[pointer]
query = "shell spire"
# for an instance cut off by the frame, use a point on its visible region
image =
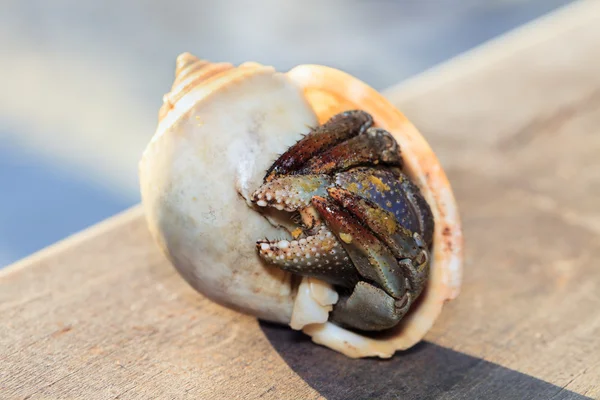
(185, 60)
(190, 72)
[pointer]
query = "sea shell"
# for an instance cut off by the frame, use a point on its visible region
(220, 128)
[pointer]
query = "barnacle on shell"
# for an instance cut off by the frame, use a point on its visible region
(220, 128)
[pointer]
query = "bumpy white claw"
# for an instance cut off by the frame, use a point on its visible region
(318, 256)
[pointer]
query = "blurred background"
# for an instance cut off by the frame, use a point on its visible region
(82, 81)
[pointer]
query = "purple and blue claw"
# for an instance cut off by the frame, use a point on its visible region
(393, 192)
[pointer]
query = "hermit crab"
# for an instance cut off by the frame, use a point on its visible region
(377, 227)
(302, 198)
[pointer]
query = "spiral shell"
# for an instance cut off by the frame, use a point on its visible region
(219, 129)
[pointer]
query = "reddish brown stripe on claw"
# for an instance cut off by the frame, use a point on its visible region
(372, 258)
(383, 223)
(339, 128)
(379, 220)
(374, 147)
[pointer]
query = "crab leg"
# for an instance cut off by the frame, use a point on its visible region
(423, 210)
(373, 260)
(408, 247)
(394, 193)
(339, 128)
(374, 147)
(291, 193)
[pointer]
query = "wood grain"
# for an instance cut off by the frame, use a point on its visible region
(520, 141)
(102, 315)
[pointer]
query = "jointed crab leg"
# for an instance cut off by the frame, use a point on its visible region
(395, 193)
(339, 128)
(368, 307)
(373, 260)
(405, 246)
(383, 223)
(374, 147)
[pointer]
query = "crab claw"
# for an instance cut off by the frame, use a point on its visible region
(372, 259)
(370, 308)
(291, 193)
(320, 256)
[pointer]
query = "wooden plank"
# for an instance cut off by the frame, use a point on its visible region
(103, 315)
(518, 135)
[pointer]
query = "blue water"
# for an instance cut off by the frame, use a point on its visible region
(41, 203)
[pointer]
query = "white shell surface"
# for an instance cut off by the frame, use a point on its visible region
(208, 154)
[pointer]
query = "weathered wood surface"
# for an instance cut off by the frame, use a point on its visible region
(102, 315)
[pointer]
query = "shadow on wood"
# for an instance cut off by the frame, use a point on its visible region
(427, 371)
